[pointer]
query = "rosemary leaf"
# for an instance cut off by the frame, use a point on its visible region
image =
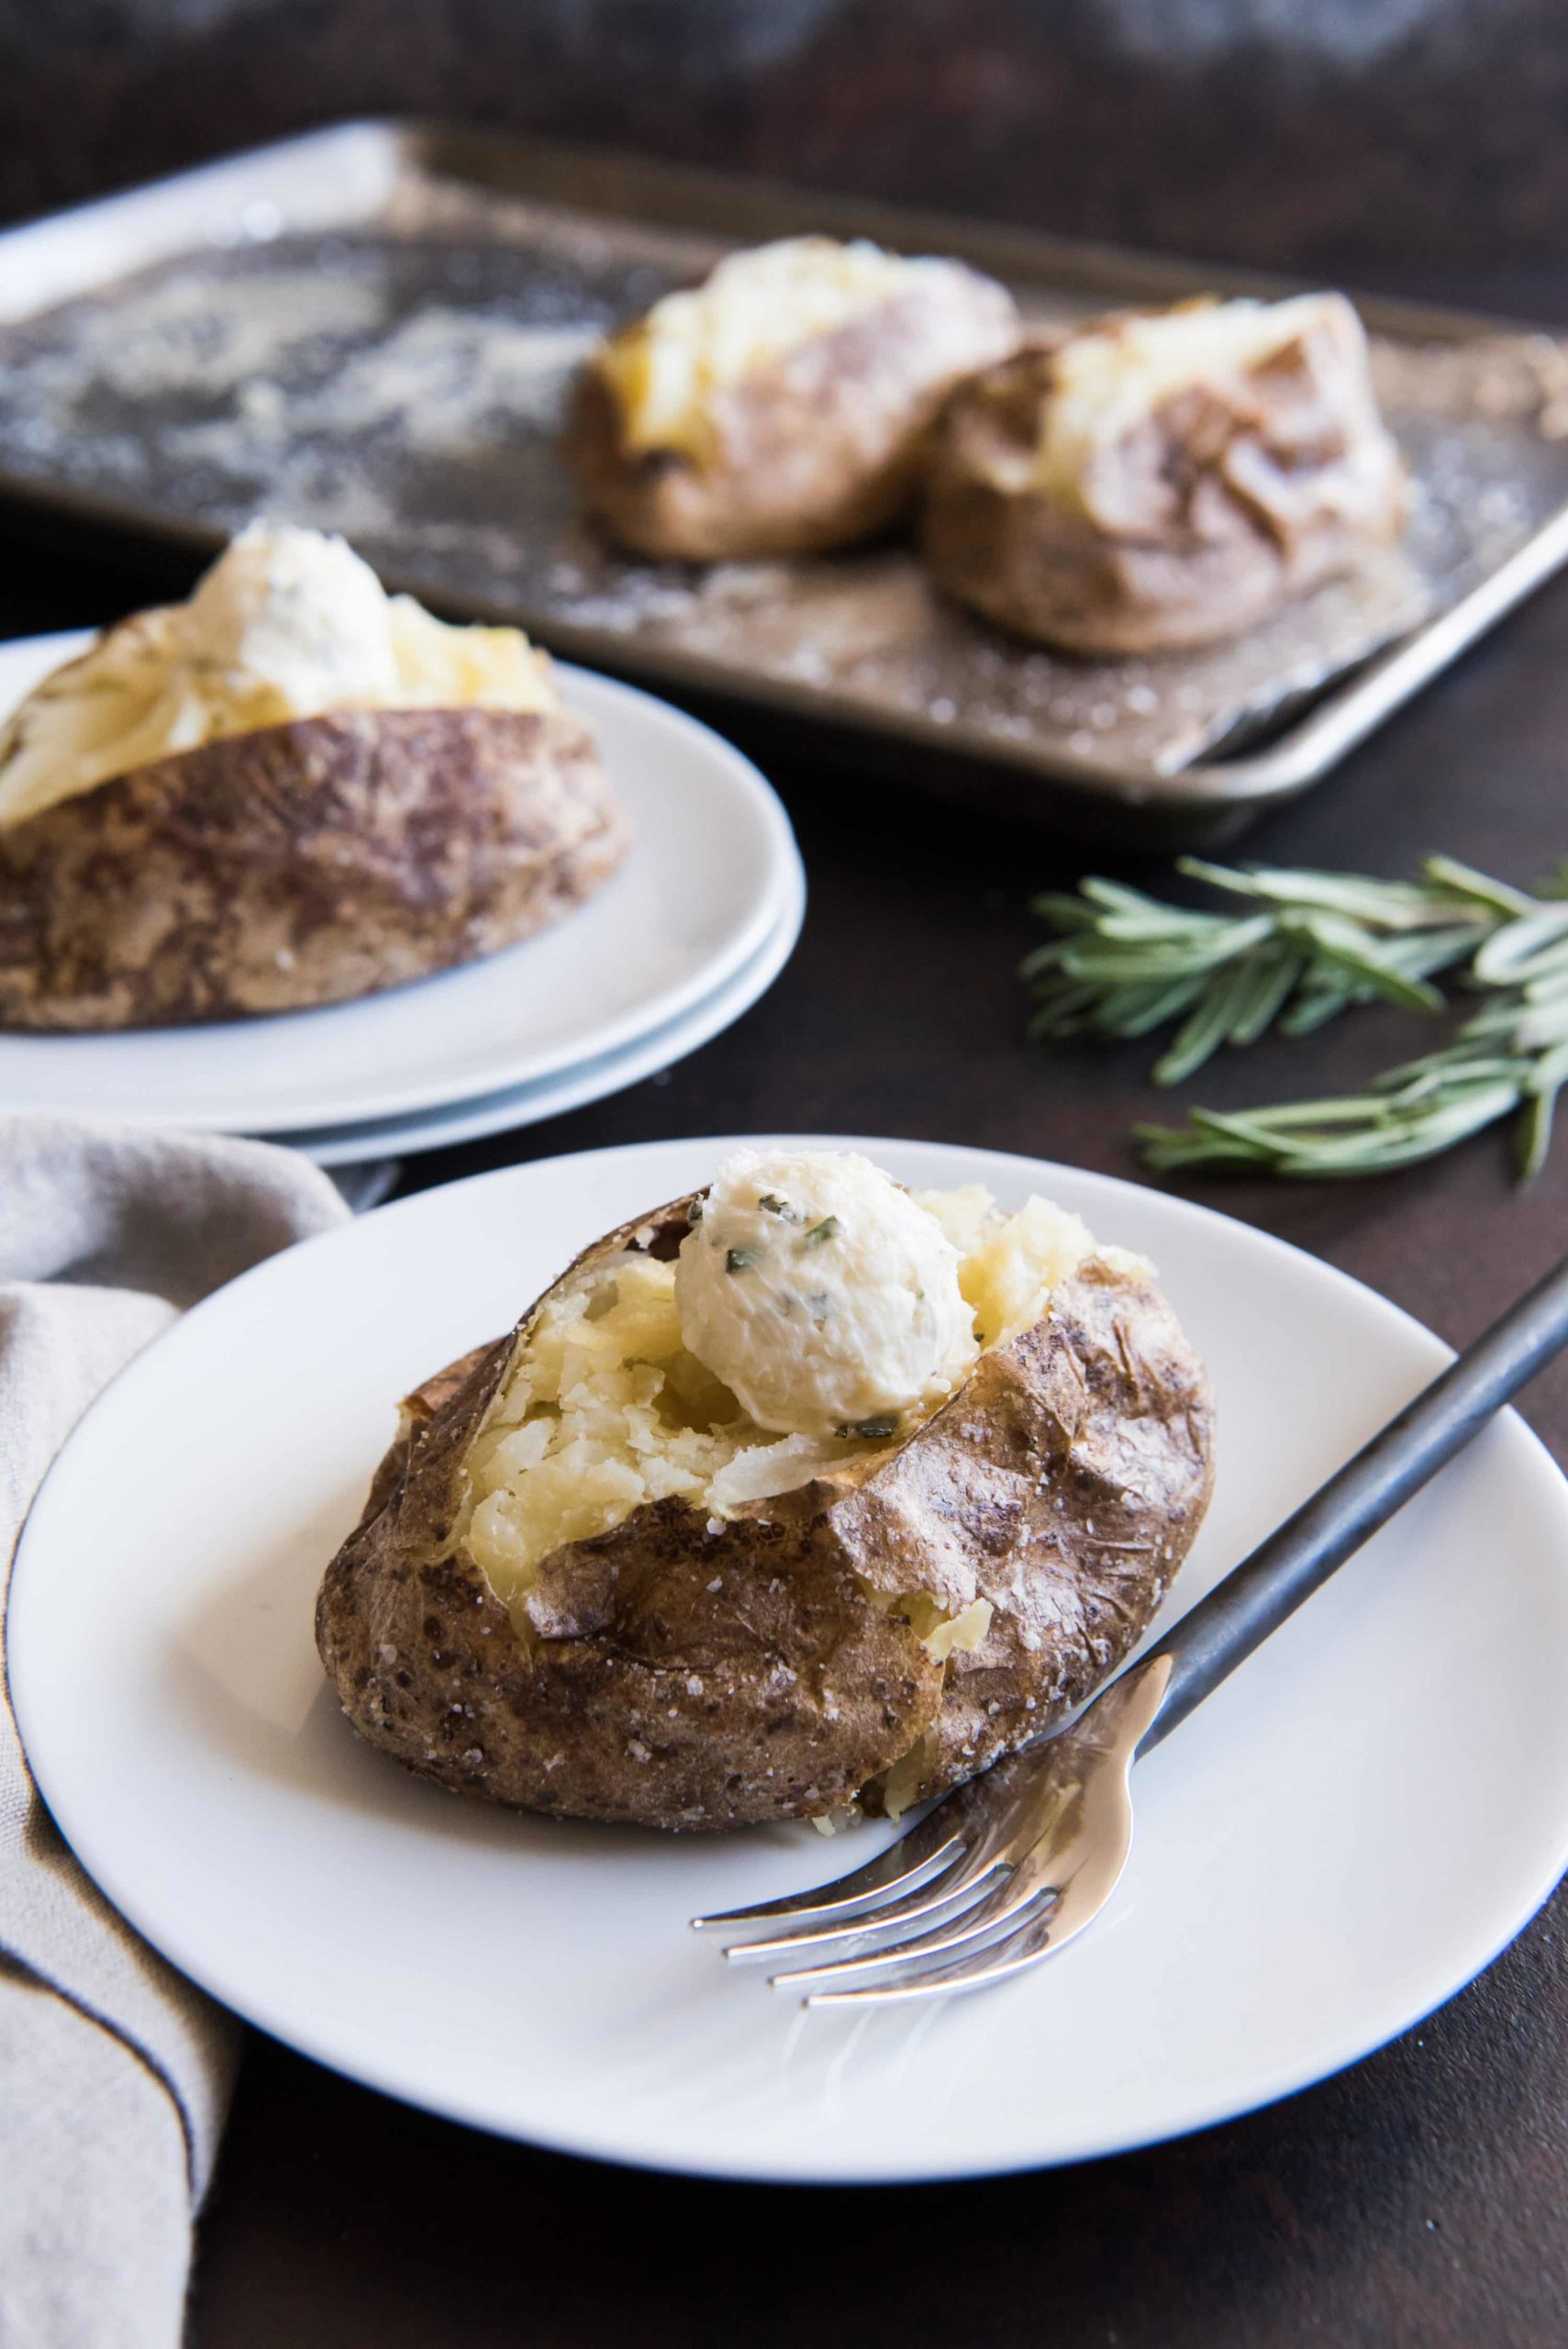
(1273, 986)
(1206, 1027)
(1448, 873)
(1345, 1109)
(1526, 952)
(1318, 1001)
(1371, 1134)
(1340, 945)
(1134, 1010)
(1381, 905)
(1312, 945)
(1534, 1137)
(1121, 964)
(1117, 897)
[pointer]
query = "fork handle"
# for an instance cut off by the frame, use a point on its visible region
(1256, 1598)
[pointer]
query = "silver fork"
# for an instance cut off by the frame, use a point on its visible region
(1006, 1870)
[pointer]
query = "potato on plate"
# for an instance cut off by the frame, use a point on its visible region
(804, 1492)
(1163, 478)
(778, 408)
(290, 790)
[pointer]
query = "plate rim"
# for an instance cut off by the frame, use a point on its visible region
(742, 775)
(773, 957)
(1437, 1984)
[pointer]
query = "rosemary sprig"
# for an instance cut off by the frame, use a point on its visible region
(1307, 947)
(1510, 1058)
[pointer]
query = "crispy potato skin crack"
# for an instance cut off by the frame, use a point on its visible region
(675, 1676)
(1214, 510)
(300, 865)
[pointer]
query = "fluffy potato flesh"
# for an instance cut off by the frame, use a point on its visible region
(666, 369)
(1110, 382)
(605, 1408)
(287, 624)
(585, 1582)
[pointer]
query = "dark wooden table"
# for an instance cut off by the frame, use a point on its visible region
(1418, 2197)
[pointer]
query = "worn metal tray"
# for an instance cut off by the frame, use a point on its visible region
(370, 327)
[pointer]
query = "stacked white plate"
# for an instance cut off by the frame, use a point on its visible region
(698, 921)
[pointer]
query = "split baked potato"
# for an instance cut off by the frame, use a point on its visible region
(291, 790)
(955, 1462)
(779, 409)
(1164, 478)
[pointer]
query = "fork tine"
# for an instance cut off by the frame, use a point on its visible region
(964, 1873)
(1025, 1947)
(935, 1840)
(1056, 1817)
(1002, 1905)
(1052, 1914)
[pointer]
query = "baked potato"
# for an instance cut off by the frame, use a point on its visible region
(289, 791)
(590, 1580)
(779, 409)
(1160, 478)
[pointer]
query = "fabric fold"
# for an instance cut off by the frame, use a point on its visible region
(115, 2071)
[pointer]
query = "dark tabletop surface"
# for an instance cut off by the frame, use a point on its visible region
(1419, 2196)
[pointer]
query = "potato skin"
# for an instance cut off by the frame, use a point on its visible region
(679, 1677)
(300, 865)
(1205, 519)
(817, 449)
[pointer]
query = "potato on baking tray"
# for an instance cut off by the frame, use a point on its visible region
(1163, 478)
(778, 408)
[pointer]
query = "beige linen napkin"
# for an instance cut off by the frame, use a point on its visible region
(113, 2071)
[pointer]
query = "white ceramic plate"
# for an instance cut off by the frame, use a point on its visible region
(1336, 1841)
(527, 1105)
(698, 894)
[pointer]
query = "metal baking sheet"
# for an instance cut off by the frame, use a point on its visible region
(371, 328)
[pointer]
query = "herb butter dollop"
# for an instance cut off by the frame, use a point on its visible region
(824, 1297)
